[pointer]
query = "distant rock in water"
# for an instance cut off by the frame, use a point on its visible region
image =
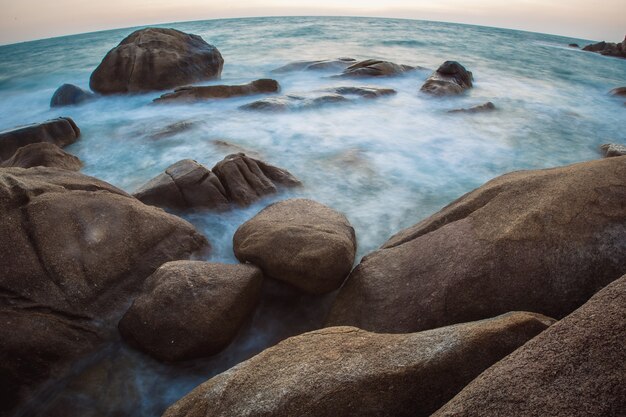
(481, 108)
(206, 305)
(346, 371)
(451, 78)
(238, 179)
(69, 95)
(62, 132)
(574, 45)
(220, 91)
(327, 64)
(608, 48)
(619, 91)
(613, 149)
(42, 154)
(375, 68)
(154, 59)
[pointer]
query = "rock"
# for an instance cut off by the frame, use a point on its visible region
(577, 367)
(206, 302)
(327, 64)
(69, 95)
(481, 108)
(156, 59)
(375, 68)
(613, 149)
(220, 91)
(62, 132)
(608, 48)
(301, 242)
(345, 371)
(619, 91)
(543, 241)
(42, 154)
(172, 129)
(451, 78)
(74, 252)
(365, 92)
(574, 45)
(230, 147)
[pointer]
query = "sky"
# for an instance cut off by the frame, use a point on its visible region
(22, 20)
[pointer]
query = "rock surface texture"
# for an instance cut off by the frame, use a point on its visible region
(156, 59)
(613, 149)
(451, 78)
(542, 241)
(69, 95)
(375, 68)
(326, 64)
(62, 132)
(42, 154)
(186, 94)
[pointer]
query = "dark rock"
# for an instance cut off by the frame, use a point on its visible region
(206, 305)
(69, 95)
(375, 68)
(74, 252)
(365, 92)
(301, 242)
(62, 132)
(608, 48)
(481, 108)
(156, 59)
(345, 371)
(543, 241)
(42, 154)
(577, 367)
(327, 64)
(450, 78)
(574, 45)
(619, 91)
(613, 149)
(220, 91)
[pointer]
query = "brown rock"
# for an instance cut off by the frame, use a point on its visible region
(608, 48)
(188, 94)
(375, 68)
(327, 64)
(156, 59)
(481, 108)
(301, 242)
(619, 91)
(613, 149)
(451, 78)
(345, 371)
(42, 154)
(543, 241)
(62, 132)
(206, 305)
(575, 368)
(70, 95)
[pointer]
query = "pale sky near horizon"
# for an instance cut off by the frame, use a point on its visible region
(35, 19)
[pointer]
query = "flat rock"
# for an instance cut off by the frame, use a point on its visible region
(154, 59)
(42, 154)
(325, 64)
(61, 131)
(577, 367)
(301, 242)
(542, 241)
(70, 95)
(375, 68)
(206, 305)
(187, 94)
(451, 78)
(345, 371)
(613, 149)
(481, 108)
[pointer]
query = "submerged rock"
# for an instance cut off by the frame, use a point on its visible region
(42, 154)
(301, 242)
(345, 371)
(365, 92)
(61, 131)
(481, 108)
(375, 68)
(156, 59)
(543, 241)
(577, 367)
(74, 252)
(69, 95)
(326, 64)
(608, 48)
(574, 45)
(613, 149)
(451, 78)
(220, 91)
(206, 305)
(619, 91)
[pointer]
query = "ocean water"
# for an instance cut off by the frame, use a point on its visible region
(385, 163)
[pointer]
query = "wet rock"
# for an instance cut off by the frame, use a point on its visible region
(619, 91)
(206, 302)
(481, 108)
(613, 149)
(543, 241)
(577, 367)
(375, 68)
(345, 371)
(187, 94)
(451, 78)
(326, 64)
(74, 252)
(172, 129)
(574, 45)
(608, 48)
(69, 95)
(365, 92)
(301, 242)
(42, 154)
(156, 59)
(61, 131)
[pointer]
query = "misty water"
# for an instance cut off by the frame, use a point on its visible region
(385, 163)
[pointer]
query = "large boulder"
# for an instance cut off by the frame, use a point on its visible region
(301, 242)
(345, 371)
(42, 154)
(187, 94)
(577, 367)
(61, 131)
(74, 252)
(69, 95)
(206, 305)
(608, 48)
(156, 59)
(451, 78)
(543, 241)
(325, 64)
(375, 68)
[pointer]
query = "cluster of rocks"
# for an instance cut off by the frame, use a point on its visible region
(608, 48)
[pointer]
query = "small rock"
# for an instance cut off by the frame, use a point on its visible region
(619, 91)
(451, 78)
(327, 64)
(187, 94)
(486, 107)
(61, 131)
(69, 95)
(375, 68)
(613, 149)
(574, 45)
(42, 154)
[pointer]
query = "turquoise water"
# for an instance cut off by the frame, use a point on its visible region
(385, 163)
